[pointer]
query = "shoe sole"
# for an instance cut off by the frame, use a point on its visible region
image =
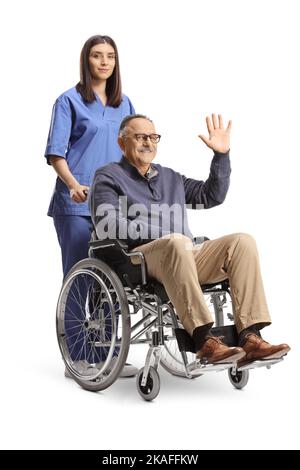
(127, 376)
(123, 374)
(228, 360)
(277, 355)
(83, 376)
(234, 358)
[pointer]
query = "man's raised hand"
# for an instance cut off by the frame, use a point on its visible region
(219, 138)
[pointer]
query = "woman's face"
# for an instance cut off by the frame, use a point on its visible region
(102, 61)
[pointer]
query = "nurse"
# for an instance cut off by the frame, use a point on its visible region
(83, 136)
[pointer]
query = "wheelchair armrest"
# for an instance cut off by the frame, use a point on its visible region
(115, 252)
(118, 244)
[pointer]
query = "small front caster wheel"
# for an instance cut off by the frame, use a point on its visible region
(240, 379)
(150, 390)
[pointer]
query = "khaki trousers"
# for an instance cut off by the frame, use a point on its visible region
(182, 267)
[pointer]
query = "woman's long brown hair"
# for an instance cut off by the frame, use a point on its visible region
(113, 84)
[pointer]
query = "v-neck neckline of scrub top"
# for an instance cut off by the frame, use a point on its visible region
(101, 103)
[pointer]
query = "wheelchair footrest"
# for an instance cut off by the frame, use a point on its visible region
(196, 367)
(262, 363)
(185, 342)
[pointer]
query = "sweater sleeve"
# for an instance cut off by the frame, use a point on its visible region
(211, 192)
(108, 209)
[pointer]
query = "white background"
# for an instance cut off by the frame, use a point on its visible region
(179, 62)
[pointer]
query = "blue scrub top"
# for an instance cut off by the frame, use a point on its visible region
(86, 135)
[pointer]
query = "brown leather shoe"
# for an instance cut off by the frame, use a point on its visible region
(215, 351)
(257, 348)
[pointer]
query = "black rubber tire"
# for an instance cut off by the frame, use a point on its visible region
(240, 379)
(152, 387)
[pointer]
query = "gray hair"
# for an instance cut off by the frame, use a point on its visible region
(129, 118)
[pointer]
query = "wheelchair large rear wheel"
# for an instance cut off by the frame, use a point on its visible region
(93, 324)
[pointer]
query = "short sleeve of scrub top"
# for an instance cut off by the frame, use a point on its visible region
(86, 135)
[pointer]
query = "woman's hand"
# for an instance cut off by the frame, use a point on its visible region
(219, 138)
(79, 193)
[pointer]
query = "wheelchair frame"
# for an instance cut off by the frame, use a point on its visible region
(124, 286)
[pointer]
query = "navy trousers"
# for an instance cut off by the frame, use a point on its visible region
(73, 233)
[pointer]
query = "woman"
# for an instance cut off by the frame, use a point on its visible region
(82, 137)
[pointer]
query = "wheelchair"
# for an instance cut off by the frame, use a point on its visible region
(107, 303)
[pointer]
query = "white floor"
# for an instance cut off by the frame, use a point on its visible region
(40, 409)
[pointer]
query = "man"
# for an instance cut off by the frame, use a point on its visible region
(145, 204)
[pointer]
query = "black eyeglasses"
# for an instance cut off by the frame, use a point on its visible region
(155, 138)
